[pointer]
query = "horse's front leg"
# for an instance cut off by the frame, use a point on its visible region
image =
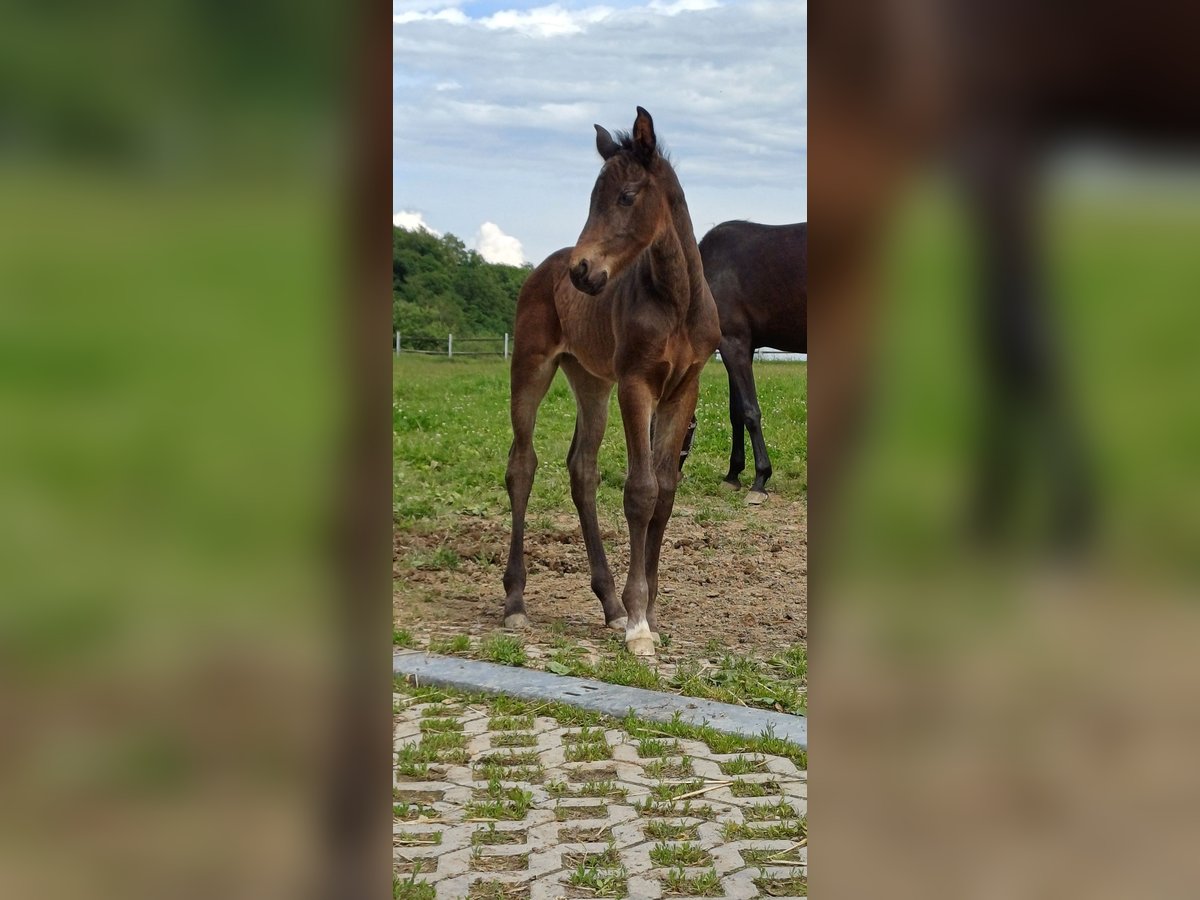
(674, 417)
(641, 496)
(531, 376)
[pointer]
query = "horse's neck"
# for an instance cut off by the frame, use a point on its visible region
(675, 265)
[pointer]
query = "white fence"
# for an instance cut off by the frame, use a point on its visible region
(450, 346)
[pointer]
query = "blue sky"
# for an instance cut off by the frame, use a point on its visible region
(493, 103)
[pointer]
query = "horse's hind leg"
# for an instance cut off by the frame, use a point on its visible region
(531, 377)
(591, 401)
(741, 373)
(737, 421)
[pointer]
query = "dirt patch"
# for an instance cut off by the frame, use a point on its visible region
(741, 582)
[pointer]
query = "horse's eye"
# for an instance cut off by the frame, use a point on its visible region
(626, 199)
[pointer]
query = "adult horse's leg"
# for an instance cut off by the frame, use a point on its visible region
(1026, 396)
(672, 425)
(737, 421)
(531, 376)
(591, 403)
(742, 375)
(687, 443)
(641, 496)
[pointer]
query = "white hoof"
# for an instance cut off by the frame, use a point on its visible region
(755, 498)
(641, 646)
(618, 624)
(516, 620)
(730, 486)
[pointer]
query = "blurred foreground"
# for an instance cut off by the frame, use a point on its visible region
(1004, 448)
(174, 399)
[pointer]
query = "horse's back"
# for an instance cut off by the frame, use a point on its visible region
(758, 275)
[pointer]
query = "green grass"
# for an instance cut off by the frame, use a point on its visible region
(460, 643)
(743, 765)
(684, 854)
(440, 725)
(669, 768)
(650, 735)
(514, 739)
(651, 747)
(607, 859)
(606, 788)
(780, 809)
(775, 684)
(673, 809)
(599, 882)
(510, 723)
(497, 890)
(742, 788)
(787, 830)
(668, 792)
(406, 811)
(411, 889)
(662, 830)
(771, 857)
(500, 803)
(491, 835)
(402, 638)
(678, 883)
(504, 649)
(792, 886)
(406, 838)
(433, 712)
(451, 435)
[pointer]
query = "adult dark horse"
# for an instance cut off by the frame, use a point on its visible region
(758, 275)
(627, 306)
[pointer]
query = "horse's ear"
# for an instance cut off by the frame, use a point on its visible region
(605, 143)
(644, 141)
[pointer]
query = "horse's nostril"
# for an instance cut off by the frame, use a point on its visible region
(581, 268)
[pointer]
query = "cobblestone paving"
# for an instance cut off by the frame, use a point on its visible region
(493, 806)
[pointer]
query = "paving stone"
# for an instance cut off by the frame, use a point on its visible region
(540, 844)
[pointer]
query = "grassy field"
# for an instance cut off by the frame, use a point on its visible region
(451, 440)
(452, 434)
(1123, 276)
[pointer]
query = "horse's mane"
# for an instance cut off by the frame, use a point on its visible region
(625, 141)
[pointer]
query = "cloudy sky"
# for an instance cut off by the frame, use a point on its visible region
(493, 103)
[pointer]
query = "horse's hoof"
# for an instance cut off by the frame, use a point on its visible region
(618, 624)
(656, 637)
(516, 620)
(731, 485)
(641, 646)
(756, 498)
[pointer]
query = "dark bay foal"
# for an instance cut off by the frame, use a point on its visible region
(628, 306)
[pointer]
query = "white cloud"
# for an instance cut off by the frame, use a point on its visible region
(681, 6)
(497, 247)
(547, 21)
(413, 221)
(726, 84)
(452, 16)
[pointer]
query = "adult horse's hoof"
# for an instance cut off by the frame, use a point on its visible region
(756, 498)
(731, 485)
(656, 637)
(516, 620)
(641, 646)
(617, 624)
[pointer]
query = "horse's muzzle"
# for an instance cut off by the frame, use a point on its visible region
(586, 279)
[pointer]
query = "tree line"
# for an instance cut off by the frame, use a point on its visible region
(440, 287)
